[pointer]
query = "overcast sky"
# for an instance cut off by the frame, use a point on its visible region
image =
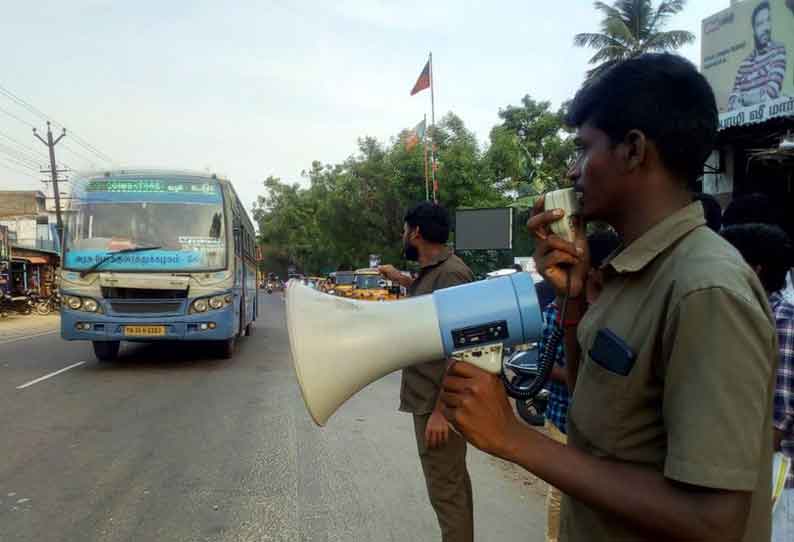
(257, 88)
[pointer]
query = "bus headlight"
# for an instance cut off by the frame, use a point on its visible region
(89, 305)
(227, 299)
(216, 302)
(74, 302)
(200, 305)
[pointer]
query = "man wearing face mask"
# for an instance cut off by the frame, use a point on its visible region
(441, 451)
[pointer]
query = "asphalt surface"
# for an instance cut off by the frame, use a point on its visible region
(169, 443)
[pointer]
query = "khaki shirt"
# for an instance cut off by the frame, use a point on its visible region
(696, 405)
(421, 383)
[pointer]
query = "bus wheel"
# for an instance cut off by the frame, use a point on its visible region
(249, 330)
(227, 348)
(106, 350)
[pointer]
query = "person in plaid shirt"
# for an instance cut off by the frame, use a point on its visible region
(601, 244)
(768, 250)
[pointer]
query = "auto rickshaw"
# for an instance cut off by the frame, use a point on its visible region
(369, 285)
(341, 283)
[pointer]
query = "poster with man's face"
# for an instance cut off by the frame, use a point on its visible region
(748, 57)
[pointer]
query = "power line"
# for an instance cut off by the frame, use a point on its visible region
(8, 151)
(33, 151)
(18, 171)
(26, 123)
(20, 153)
(80, 141)
(17, 163)
(77, 154)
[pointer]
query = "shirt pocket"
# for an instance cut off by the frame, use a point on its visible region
(597, 408)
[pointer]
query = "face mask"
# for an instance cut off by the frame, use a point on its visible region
(410, 252)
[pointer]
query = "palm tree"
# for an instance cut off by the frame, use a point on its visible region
(630, 28)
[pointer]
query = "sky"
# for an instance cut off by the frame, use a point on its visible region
(250, 89)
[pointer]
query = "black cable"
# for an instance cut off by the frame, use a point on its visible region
(546, 358)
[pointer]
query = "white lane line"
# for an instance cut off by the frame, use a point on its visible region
(29, 337)
(45, 377)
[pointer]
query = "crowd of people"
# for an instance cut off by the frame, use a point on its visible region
(673, 387)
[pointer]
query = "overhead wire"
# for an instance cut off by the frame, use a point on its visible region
(9, 151)
(20, 163)
(74, 136)
(35, 152)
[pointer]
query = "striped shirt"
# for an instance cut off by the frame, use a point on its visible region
(760, 71)
(559, 400)
(784, 386)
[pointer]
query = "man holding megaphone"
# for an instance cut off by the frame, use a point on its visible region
(441, 451)
(673, 364)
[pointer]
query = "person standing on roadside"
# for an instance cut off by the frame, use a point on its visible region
(601, 244)
(670, 423)
(442, 452)
(768, 250)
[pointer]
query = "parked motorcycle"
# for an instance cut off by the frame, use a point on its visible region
(49, 304)
(15, 303)
(524, 366)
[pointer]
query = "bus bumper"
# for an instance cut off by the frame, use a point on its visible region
(208, 326)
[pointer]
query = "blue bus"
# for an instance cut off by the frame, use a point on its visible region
(152, 255)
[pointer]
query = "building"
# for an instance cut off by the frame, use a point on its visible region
(30, 232)
(747, 55)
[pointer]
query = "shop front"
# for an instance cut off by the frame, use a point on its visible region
(748, 58)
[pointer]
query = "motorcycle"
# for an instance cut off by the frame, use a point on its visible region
(524, 365)
(49, 304)
(15, 303)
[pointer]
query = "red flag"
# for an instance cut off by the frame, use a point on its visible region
(424, 80)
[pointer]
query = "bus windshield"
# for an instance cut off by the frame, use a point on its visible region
(188, 232)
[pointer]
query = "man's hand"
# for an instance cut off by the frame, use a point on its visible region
(390, 272)
(555, 257)
(437, 430)
(475, 403)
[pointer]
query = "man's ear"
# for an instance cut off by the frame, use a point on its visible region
(634, 150)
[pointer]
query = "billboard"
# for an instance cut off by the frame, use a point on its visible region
(484, 229)
(747, 55)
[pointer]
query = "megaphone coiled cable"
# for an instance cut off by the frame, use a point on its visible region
(545, 358)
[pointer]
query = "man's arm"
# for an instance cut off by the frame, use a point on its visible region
(476, 404)
(390, 272)
(706, 404)
(776, 74)
(638, 495)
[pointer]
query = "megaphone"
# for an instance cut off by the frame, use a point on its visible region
(341, 345)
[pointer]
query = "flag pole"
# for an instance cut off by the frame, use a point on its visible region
(433, 124)
(424, 147)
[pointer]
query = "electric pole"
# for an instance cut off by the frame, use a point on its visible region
(54, 173)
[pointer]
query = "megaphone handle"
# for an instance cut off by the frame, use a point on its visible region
(488, 358)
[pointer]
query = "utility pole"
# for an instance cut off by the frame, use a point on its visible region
(54, 173)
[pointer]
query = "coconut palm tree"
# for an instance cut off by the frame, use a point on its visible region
(630, 28)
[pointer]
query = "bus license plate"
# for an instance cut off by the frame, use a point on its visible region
(144, 331)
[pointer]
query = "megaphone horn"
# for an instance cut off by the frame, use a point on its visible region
(341, 345)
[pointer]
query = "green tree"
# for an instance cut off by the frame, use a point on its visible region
(630, 28)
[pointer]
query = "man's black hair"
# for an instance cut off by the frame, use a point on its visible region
(760, 7)
(765, 245)
(432, 219)
(752, 208)
(663, 96)
(711, 210)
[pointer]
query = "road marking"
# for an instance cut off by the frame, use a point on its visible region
(9, 341)
(45, 377)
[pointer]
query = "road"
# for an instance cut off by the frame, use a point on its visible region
(170, 444)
